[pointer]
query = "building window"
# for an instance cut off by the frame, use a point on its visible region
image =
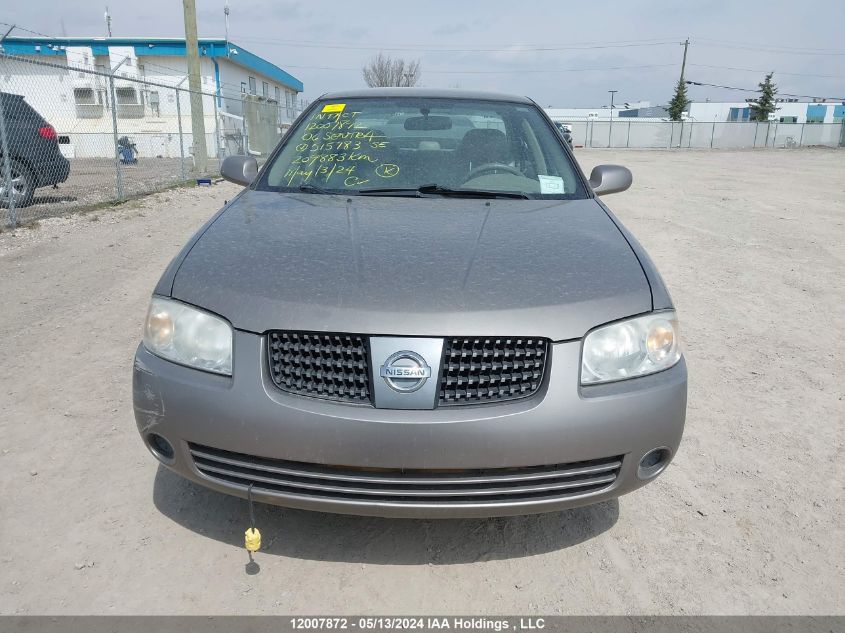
(265, 89)
(816, 113)
(155, 108)
(84, 96)
(87, 104)
(252, 85)
(243, 87)
(278, 95)
(125, 96)
(739, 114)
(129, 105)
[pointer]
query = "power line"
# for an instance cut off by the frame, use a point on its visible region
(771, 50)
(498, 72)
(779, 72)
(784, 94)
(789, 49)
(417, 48)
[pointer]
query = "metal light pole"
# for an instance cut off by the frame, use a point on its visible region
(610, 132)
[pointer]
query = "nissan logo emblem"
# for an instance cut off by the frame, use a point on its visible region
(405, 371)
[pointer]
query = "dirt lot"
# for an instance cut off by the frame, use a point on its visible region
(748, 519)
(93, 181)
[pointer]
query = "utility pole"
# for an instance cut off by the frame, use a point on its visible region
(195, 87)
(226, 14)
(108, 21)
(610, 131)
(683, 67)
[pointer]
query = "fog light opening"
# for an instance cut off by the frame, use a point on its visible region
(160, 447)
(653, 463)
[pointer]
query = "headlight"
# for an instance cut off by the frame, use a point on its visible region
(188, 336)
(631, 348)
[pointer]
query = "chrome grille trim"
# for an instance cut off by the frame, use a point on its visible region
(405, 486)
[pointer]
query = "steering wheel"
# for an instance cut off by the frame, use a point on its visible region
(489, 167)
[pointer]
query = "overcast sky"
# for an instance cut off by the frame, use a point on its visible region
(631, 46)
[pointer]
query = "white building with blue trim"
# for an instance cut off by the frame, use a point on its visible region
(65, 80)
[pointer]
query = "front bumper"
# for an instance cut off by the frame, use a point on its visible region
(53, 170)
(562, 425)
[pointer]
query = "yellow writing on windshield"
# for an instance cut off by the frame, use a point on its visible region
(335, 144)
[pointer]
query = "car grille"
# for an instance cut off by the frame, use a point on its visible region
(331, 366)
(477, 370)
(473, 370)
(403, 486)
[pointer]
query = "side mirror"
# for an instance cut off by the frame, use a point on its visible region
(606, 179)
(240, 170)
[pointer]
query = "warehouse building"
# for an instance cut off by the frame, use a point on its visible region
(65, 79)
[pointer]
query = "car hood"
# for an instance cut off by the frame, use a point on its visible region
(429, 266)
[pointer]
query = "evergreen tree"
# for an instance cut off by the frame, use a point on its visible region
(679, 102)
(765, 103)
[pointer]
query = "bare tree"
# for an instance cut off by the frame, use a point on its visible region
(383, 71)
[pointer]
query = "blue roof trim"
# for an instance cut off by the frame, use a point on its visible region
(30, 48)
(146, 46)
(249, 60)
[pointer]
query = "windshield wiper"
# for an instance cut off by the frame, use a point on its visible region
(388, 191)
(480, 193)
(307, 188)
(444, 191)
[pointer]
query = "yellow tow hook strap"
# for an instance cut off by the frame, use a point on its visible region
(252, 537)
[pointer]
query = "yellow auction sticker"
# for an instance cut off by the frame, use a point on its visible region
(334, 107)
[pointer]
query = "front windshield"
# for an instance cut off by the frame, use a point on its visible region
(396, 146)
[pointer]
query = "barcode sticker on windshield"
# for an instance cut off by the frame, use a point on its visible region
(334, 107)
(551, 184)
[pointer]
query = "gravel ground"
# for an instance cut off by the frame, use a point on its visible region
(92, 181)
(747, 519)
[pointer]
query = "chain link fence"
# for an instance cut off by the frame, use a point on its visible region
(74, 136)
(632, 133)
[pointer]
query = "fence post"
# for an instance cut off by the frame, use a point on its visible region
(756, 129)
(216, 133)
(118, 171)
(9, 188)
(628, 138)
(801, 140)
(712, 133)
(689, 142)
(181, 137)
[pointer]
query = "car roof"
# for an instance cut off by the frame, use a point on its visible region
(426, 93)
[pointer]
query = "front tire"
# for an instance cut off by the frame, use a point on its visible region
(23, 185)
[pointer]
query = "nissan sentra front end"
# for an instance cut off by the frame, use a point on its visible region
(490, 343)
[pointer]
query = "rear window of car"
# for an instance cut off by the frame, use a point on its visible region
(351, 145)
(16, 108)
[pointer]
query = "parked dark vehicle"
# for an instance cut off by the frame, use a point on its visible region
(565, 132)
(35, 159)
(418, 307)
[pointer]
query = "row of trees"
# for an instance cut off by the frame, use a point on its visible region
(761, 107)
(382, 71)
